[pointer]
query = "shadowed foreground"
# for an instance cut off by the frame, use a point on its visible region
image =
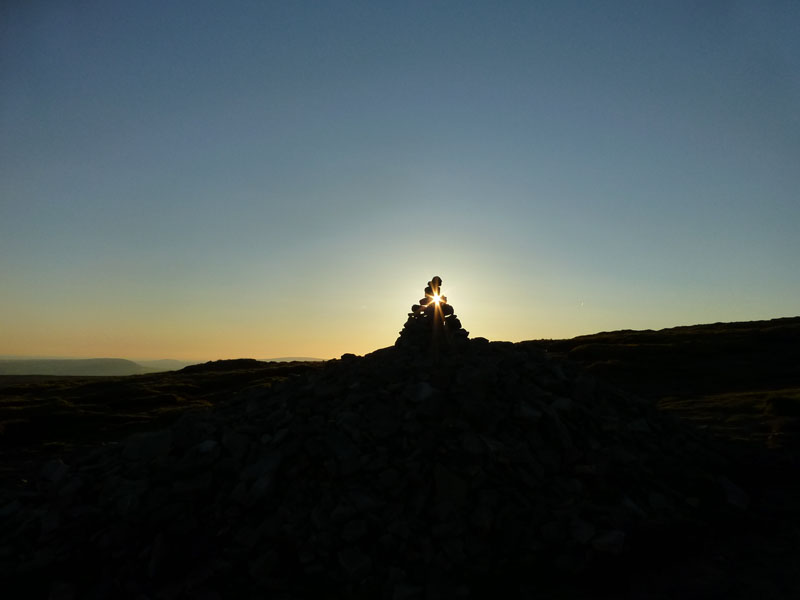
(496, 469)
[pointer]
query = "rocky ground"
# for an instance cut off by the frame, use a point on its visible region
(491, 469)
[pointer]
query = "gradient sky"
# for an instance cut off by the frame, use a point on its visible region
(203, 180)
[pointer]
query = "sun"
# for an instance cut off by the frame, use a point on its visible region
(436, 298)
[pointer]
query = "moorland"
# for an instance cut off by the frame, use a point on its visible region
(735, 385)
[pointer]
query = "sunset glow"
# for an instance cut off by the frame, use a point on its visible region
(216, 180)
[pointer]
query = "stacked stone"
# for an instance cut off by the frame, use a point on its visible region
(432, 320)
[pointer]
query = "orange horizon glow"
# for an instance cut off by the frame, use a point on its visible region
(262, 320)
(237, 196)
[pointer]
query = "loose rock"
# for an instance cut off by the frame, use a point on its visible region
(400, 474)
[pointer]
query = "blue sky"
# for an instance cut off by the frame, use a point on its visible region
(206, 180)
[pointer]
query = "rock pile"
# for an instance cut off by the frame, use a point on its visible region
(383, 476)
(432, 322)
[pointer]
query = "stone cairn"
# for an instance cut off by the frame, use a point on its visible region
(431, 321)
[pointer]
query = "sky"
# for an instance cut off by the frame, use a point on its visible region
(203, 180)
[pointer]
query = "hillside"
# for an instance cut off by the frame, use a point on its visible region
(45, 416)
(726, 357)
(551, 468)
(739, 380)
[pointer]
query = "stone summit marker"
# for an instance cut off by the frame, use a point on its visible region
(432, 321)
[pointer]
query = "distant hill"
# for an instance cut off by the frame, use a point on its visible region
(115, 367)
(73, 366)
(165, 364)
(292, 359)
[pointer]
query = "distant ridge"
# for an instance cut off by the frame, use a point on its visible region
(165, 364)
(112, 367)
(239, 364)
(73, 366)
(293, 359)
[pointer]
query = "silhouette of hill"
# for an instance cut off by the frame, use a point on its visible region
(729, 356)
(72, 366)
(165, 364)
(105, 367)
(293, 359)
(550, 468)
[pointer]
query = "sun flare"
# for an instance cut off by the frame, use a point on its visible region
(436, 299)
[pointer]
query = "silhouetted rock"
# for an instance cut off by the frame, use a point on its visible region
(432, 322)
(384, 476)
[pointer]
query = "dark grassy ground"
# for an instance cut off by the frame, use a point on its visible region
(46, 416)
(739, 382)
